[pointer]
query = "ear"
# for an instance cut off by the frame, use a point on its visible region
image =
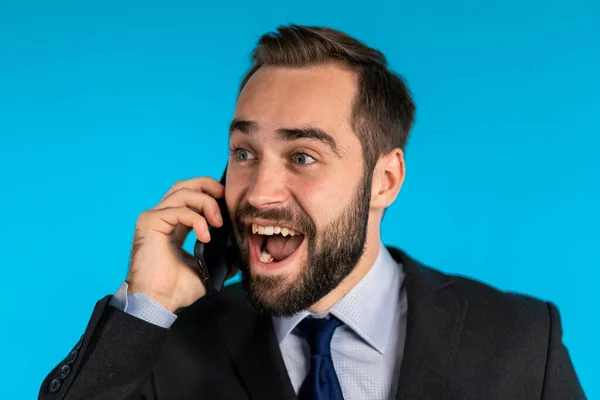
(388, 177)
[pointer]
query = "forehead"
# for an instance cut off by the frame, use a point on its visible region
(287, 97)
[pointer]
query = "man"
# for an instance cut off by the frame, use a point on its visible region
(324, 310)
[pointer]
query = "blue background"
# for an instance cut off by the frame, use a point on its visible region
(104, 105)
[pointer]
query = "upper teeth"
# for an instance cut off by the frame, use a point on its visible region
(272, 230)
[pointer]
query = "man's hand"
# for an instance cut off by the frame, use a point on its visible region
(159, 267)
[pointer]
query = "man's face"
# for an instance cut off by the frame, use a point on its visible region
(296, 187)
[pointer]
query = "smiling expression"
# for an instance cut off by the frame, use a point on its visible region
(296, 164)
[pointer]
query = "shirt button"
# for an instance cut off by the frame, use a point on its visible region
(65, 371)
(55, 385)
(72, 356)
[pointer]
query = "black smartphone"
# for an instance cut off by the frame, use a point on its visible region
(216, 258)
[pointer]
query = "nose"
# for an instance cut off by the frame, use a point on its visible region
(267, 189)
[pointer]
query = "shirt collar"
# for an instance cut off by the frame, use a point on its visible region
(368, 308)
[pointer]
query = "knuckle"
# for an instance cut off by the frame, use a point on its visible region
(142, 220)
(142, 216)
(186, 191)
(178, 185)
(189, 193)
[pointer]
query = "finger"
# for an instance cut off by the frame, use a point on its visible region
(180, 233)
(195, 200)
(166, 220)
(204, 184)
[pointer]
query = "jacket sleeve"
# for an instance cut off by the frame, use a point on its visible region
(113, 359)
(560, 380)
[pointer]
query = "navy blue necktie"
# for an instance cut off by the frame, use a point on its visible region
(321, 383)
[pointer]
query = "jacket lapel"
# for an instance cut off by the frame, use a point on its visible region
(434, 325)
(252, 344)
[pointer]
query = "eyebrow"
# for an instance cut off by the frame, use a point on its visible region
(247, 127)
(312, 133)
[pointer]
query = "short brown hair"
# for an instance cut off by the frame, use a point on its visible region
(383, 112)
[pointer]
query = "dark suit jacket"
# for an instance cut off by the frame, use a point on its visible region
(465, 340)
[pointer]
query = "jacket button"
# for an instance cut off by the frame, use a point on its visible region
(79, 343)
(65, 371)
(72, 356)
(55, 385)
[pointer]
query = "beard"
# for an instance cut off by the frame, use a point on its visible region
(332, 255)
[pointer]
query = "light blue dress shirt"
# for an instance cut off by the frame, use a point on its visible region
(366, 350)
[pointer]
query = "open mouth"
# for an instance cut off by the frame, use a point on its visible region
(272, 246)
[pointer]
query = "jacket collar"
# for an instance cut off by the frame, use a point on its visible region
(435, 319)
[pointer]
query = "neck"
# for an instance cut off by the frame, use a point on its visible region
(364, 265)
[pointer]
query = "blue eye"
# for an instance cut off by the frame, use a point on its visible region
(241, 154)
(303, 159)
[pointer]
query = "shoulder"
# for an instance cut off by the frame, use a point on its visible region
(486, 297)
(518, 318)
(485, 302)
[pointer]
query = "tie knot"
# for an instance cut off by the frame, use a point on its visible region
(318, 333)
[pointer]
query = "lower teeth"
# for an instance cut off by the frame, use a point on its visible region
(265, 257)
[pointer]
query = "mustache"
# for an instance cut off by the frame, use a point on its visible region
(301, 221)
(249, 211)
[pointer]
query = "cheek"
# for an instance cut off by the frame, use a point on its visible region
(233, 196)
(324, 200)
